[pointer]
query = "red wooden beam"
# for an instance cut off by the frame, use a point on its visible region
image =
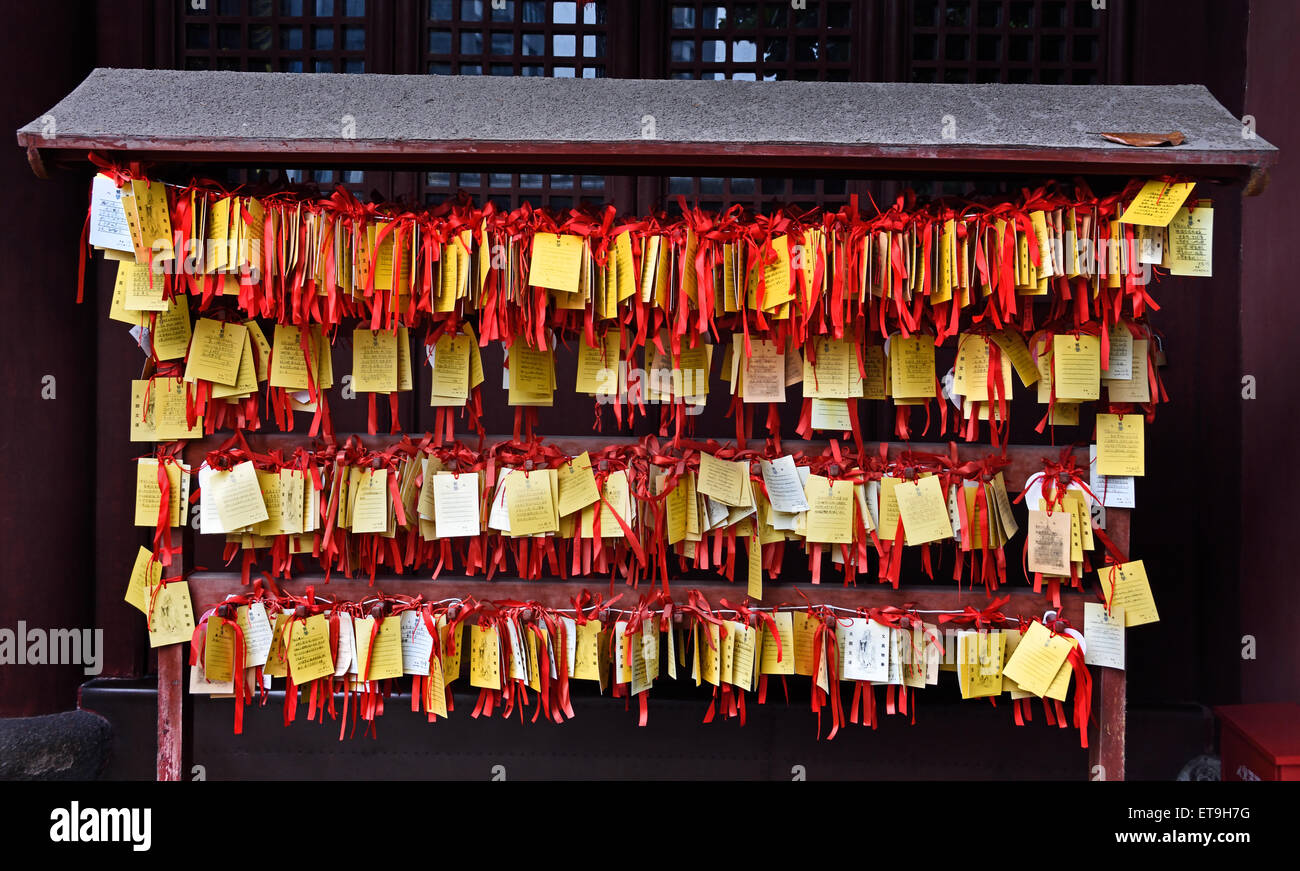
(209, 589)
(1025, 460)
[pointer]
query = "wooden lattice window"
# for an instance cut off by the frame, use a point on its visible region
(509, 190)
(516, 38)
(292, 36)
(760, 41)
(757, 194)
(1054, 42)
(289, 36)
(566, 39)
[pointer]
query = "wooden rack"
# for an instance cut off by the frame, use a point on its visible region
(862, 129)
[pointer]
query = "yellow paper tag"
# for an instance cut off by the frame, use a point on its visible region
(722, 480)
(171, 330)
(1137, 389)
(1191, 241)
(830, 510)
(289, 363)
(598, 367)
(532, 375)
(261, 350)
(912, 366)
(1048, 542)
(1120, 444)
(1126, 586)
(148, 494)
(1037, 658)
(485, 658)
(370, 505)
(769, 664)
(310, 656)
(374, 361)
(246, 379)
(754, 587)
(1076, 367)
(451, 365)
(237, 496)
(1157, 203)
(556, 262)
(530, 503)
(144, 574)
(979, 663)
(218, 650)
(577, 485)
(171, 620)
(215, 351)
(924, 510)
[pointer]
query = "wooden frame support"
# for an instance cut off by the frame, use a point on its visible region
(171, 694)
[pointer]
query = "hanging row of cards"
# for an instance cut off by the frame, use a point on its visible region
(329, 648)
(304, 259)
(631, 508)
(213, 375)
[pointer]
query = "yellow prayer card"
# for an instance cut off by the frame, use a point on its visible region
(1037, 659)
(556, 261)
(1157, 203)
(291, 368)
(148, 493)
(310, 654)
(374, 361)
(577, 485)
(215, 351)
(171, 330)
(1120, 444)
(1076, 367)
(924, 510)
(830, 510)
(912, 366)
(1126, 586)
(171, 614)
(144, 574)
(532, 375)
(530, 503)
(722, 480)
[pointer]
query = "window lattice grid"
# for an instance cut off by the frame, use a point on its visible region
(509, 190)
(321, 36)
(1016, 41)
(565, 39)
(290, 36)
(760, 40)
(762, 194)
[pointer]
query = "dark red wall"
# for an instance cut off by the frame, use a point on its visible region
(1270, 608)
(47, 472)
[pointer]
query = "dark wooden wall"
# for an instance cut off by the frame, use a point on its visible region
(1270, 609)
(1194, 556)
(47, 480)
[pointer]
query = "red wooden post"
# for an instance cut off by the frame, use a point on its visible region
(1106, 739)
(1106, 732)
(171, 691)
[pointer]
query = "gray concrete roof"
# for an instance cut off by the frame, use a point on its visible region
(268, 113)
